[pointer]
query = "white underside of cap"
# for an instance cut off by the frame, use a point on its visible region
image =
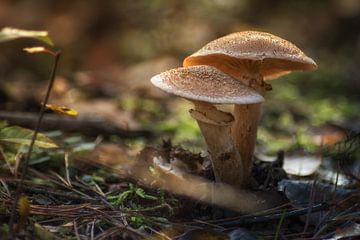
(158, 82)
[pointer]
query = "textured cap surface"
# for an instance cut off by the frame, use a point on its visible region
(278, 56)
(205, 83)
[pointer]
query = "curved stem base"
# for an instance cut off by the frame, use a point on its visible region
(215, 126)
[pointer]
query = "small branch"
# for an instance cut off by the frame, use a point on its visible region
(28, 155)
(85, 125)
(65, 195)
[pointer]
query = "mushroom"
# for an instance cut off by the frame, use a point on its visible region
(205, 86)
(251, 57)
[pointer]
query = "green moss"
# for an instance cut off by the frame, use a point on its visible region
(181, 125)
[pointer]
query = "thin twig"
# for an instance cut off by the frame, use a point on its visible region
(275, 210)
(311, 204)
(65, 195)
(6, 188)
(87, 125)
(209, 224)
(67, 174)
(92, 229)
(270, 217)
(76, 230)
(53, 179)
(161, 235)
(28, 155)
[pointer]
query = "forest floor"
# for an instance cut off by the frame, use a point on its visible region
(133, 164)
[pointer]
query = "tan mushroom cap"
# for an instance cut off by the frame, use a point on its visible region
(207, 84)
(277, 56)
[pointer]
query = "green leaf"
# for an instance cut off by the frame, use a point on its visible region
(43, 233)
(123, 196)
(3, 124)
(7, 34)
(150, 197)
(39, 160)
(19, 135)
(138, 221)
(140, 192)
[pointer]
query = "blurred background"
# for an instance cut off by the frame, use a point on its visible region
(112, 48)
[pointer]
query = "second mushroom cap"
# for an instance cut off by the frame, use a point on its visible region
(276, 56)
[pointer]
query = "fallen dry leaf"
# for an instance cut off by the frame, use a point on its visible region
(301, 165)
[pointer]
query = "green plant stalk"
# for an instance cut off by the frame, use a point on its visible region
(277, 234)
(28, 155)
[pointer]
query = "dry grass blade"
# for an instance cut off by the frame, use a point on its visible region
(120, 229)
(67, 174)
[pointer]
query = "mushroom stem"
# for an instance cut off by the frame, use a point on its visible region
(247, 116)
(215, 126)
(244, 132)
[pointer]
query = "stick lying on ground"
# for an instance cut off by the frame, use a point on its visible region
(88, 126)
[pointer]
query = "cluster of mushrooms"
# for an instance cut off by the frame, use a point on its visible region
(232, 70)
